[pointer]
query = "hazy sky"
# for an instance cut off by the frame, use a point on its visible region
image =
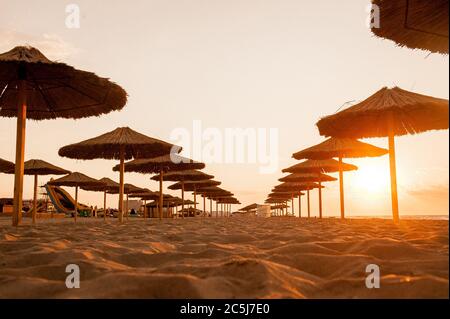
(234, 64)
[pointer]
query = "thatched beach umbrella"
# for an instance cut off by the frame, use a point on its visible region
(120, 144)
(298, 187)
(36, 88)
(317, 167)
(388, 113)
(37, 167)
(182, 177)
(76, 180)
(193, 185)
(6, 166)
(340, 148)
(214, 193)
(108, 186)
(161, 165)
(289, 195)
(414, 24)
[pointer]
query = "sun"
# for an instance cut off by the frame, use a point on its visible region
(372, 178)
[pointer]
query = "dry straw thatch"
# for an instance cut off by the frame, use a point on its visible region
(186, 175)
(191, 186)
(340, 147)
(183, 176)
(76, 179)
(290, 186)
(319, 166)
(161, 164)
(121, 144)
(307, 177)
(40, 167)
(110, 145)
(6, 166)
(108, 185)
(387, 111)
(36, 88)
(54, 89)
(165, 163)
(416, 24)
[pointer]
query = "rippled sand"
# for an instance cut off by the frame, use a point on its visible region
(224, 258)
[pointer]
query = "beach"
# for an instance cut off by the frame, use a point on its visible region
(238, 257)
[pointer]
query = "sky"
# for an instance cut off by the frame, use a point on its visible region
(253, 64)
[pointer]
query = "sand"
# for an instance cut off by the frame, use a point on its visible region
(225, 258)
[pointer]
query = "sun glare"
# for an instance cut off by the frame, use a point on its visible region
(372, 178)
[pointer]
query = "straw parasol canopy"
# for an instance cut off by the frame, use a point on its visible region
(121, 144)
(108, 186)
(165, 163)
(192, 186)
(388, 113)
(340, 148)
(298, 187)
(249, 207)
(161, 165)
(37, 167)
(6, 166)
(36, 88)
(214, 193)
(182, 176)
(317, 167)
(414, 24)
(76, 180)
(307, 177)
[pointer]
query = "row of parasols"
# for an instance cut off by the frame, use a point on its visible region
(34, 87)
(388, 113)
(160, 158)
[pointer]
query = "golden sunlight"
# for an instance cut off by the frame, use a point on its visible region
(372, 177)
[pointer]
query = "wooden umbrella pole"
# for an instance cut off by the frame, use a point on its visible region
(308, 202)
(126, 208)
(204, 206)
(35, 199)
(121, 186)
(167, 209)
(20, 151)
(195, 200)
(145, 209)
(160, 206)
(299, 205)
(210, 206)
(320, 198)
(182, 199)
(392, 166)
(217, 209)
(341, 187)
(104, 205)
(76, 202)
(292, 203)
